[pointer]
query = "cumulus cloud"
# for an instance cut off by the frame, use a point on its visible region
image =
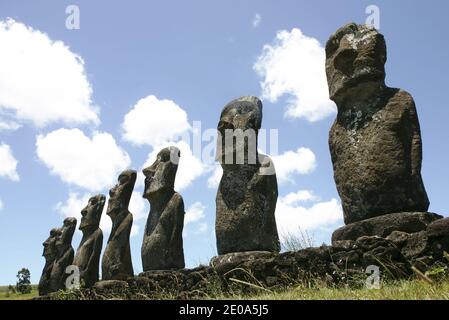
(76, 202)
(256, 20)
(42, 81)
(153, 122)
(194, 219)
(214, 180)
(189, 168)
(90, 163)
(8, 166)
(301, 161)
(294, 66)
(194, 213)
(9, 125)
(293, 216)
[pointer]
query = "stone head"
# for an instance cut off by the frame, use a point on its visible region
(120, 194)
(49, 244)
(65, 235)
(160, 176)
(91, 214)
(242, 115)
(355, 60)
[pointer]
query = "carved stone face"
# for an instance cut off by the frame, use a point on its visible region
(64, 237)
(120, 194)
(49, 245)
(91, 214)
(355, 57)
(245, 114)
(161, 174)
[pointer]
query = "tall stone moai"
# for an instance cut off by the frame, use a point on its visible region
(375, 141)
(64, 255)
(247, 194)
(49, 254)
(116, 263)
(162, 246)
(87, 257)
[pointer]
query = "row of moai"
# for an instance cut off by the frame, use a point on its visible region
(376, 152)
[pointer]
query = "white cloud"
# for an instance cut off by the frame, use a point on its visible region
(256, 20)
(76, 202)
(189, 168)
(8, 166)
(1, 204)
(214, 180)
(42, 81)
(292, 217)
(294, 65)
(153, 122)
(297, 197)
(194, 213)
(194, 220)
(91, 163)
(301, 161)
(9, 125)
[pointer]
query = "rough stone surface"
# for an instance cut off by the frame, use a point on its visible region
(162, 246)
(248, 272)
(384, 225)
(375, 141)
(438, 234)
(64, 255)
(247, 194)
(116, 262)
(87, 256)
(49, 254)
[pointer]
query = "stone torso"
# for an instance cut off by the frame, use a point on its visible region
(376, 153)
(58, 275)
(163, 245)
(87, 257)
(246, 201)
(117, 263)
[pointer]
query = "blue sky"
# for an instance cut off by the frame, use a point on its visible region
(67, 128)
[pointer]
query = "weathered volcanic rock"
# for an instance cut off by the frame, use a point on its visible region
(247, 194)
(375, 142)
(64, 257)
(116, 263)
(438, 234)
(49, 254)
(87, 256)
(162, 246)
(383, 226)
(229, 261)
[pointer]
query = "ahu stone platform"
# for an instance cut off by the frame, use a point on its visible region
(398, 256)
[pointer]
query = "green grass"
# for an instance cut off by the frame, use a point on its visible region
(397, 290)
(4, 295)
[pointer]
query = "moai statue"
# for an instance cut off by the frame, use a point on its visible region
(116, 263)
(50, 255)
(375, 142)
(247, 194)
(64, 255)
(162, 242)
(87, 257)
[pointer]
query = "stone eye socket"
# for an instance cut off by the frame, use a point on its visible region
(344, 60)
(224, 125)
(123, 179)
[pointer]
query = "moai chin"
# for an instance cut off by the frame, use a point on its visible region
(49, 254)
(116, 263)
(247, 194)
(64, 255)
(162, 246)
(87, 256)
(375, 141)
